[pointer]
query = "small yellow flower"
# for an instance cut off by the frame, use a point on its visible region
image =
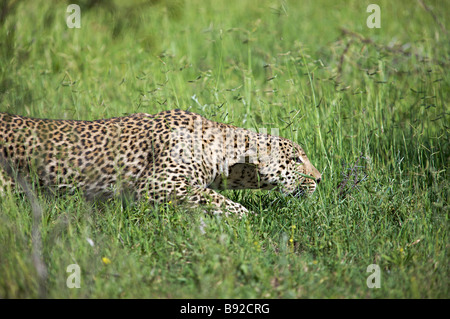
(291, 240)
(106, 260)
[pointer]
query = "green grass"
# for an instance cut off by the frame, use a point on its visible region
(369, 106)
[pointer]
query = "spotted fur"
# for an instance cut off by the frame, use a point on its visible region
(173, 156)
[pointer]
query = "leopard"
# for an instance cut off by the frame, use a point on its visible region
(173, 156)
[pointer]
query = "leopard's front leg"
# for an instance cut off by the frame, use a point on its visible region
(180, 191)
(217, 202)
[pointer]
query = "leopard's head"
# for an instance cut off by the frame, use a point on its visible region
(287, 167)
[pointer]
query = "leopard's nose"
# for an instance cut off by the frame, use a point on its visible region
(318, 180)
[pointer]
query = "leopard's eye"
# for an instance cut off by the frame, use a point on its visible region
(298, 160)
